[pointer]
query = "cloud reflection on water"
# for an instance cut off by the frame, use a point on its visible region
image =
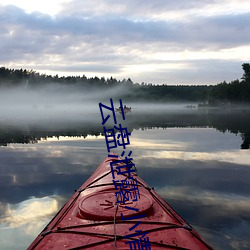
(29, 210)
(22, 222)
(235, 156)
(204, 178)
(226, 216)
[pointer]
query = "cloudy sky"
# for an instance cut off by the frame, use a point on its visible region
(157, 41)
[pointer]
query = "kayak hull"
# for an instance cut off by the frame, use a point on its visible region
(92, 219)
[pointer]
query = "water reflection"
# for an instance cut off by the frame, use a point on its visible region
(195, 166)
(233, 121)
(29, 210)
(20, 222)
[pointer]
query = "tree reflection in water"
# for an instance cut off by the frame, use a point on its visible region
(233, 121)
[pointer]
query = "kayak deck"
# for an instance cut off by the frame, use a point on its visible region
(92, 219)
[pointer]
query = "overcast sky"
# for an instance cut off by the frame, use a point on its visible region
(154, 41)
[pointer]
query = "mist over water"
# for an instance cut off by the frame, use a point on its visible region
(191, 156)
(55, 102)
(59, 108)
(61, 102)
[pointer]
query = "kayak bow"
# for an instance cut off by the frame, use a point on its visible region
(93, 219)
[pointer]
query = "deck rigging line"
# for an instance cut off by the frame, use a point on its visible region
(115, 222)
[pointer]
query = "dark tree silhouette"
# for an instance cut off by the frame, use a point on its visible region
(223, 93)
(246, 69)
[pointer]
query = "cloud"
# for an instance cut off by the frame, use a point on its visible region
(149, 9)
(91, 37)
(115, 30)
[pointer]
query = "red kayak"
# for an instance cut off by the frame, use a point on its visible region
(102, 215)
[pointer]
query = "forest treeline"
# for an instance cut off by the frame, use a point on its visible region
(236, 91)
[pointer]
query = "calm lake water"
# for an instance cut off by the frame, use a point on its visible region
(197, 160)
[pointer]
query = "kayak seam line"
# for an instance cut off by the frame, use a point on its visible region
(119, 237)
(118, 222)
(115, 243)
(55, 229)
(148, 230)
